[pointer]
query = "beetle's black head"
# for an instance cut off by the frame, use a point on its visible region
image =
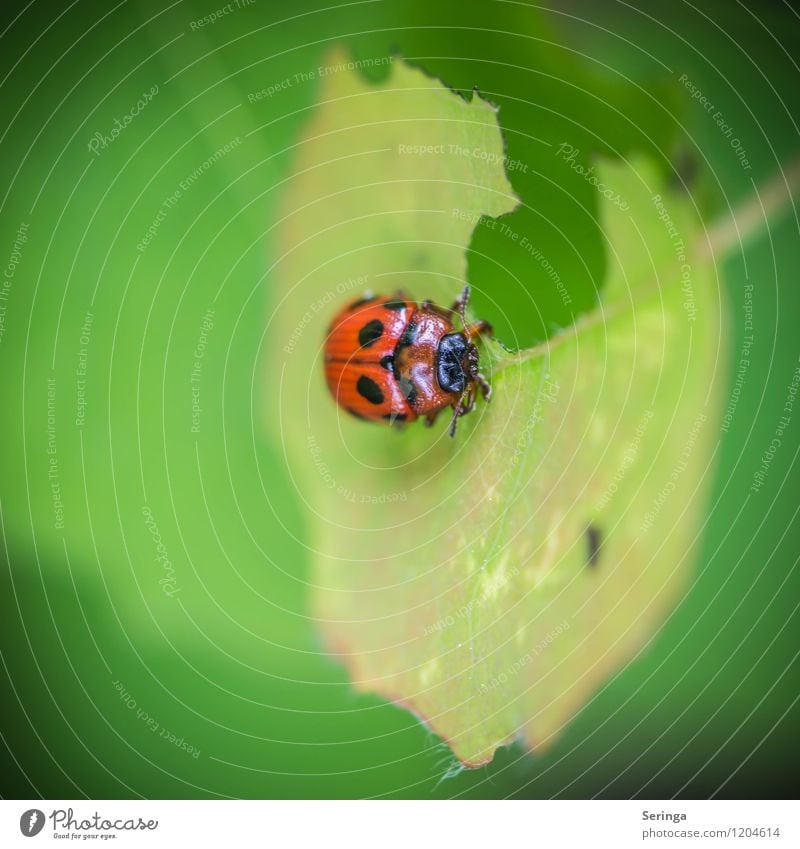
(456, 362)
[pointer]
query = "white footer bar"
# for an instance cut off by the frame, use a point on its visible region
(400, 825)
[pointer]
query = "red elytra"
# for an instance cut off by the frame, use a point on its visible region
(392, 359)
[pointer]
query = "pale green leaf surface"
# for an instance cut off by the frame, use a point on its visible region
(454, 576)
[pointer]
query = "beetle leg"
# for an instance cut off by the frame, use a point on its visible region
(431, 418)
(469, 406)
(478, 328)
(485, 386)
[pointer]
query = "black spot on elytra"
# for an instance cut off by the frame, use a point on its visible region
(387, 362)
(361, 301)
(371, 331)
(395, 305)
(409, 335)
(593, 539)
(367, 388)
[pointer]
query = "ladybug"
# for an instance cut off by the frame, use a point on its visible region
(392, 359)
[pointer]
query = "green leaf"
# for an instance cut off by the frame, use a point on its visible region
(494, 582)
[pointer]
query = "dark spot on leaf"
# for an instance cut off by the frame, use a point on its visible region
(593, 540)
(371, 331)
(367, 388)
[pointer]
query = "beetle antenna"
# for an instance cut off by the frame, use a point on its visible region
(460, 305)
(461, 408)
(454, 419)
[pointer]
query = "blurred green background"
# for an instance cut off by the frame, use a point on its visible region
(134, 389)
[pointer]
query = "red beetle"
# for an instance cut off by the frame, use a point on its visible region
(391, 359)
